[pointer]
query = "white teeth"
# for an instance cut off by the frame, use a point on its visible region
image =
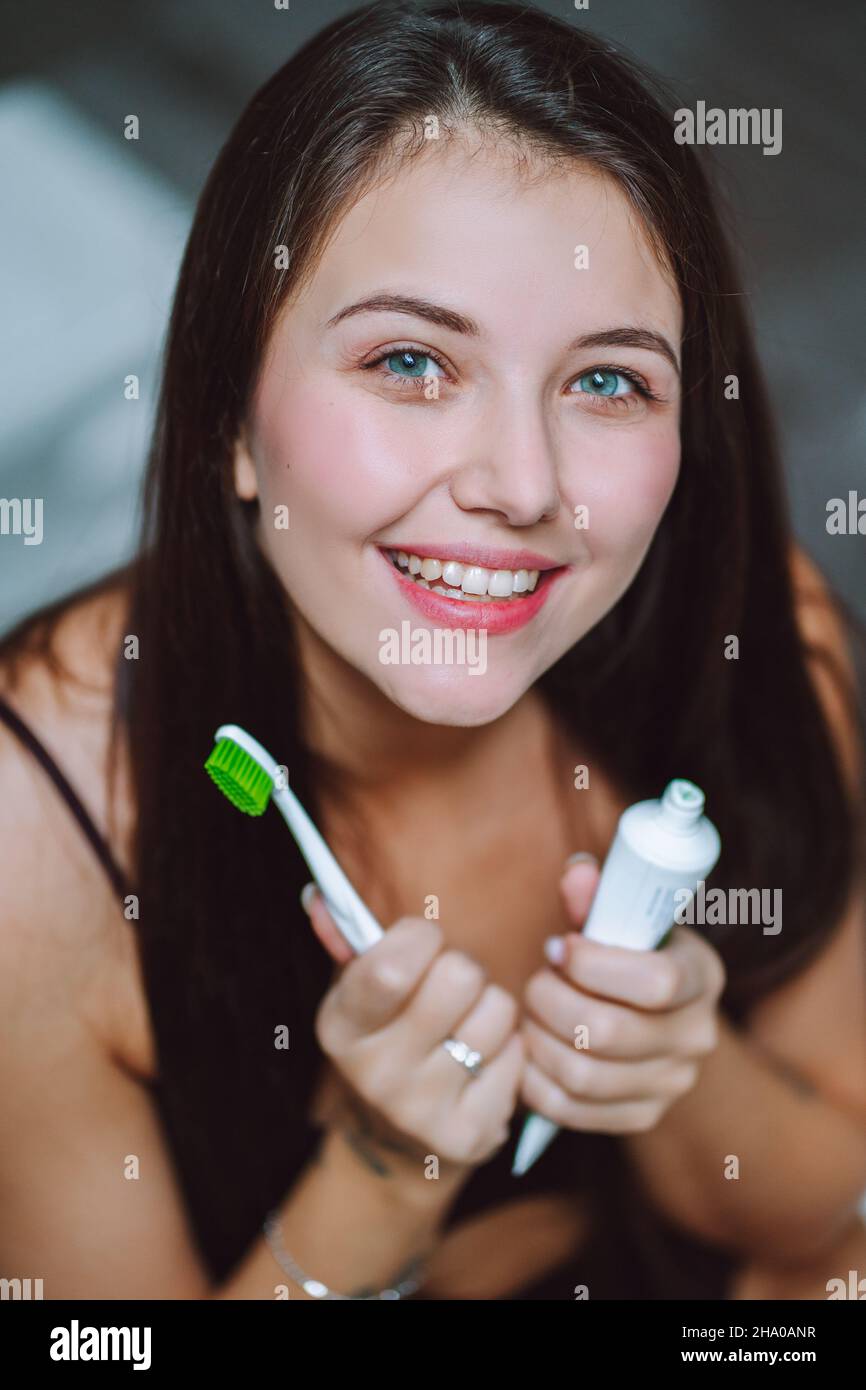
(475, 580)
(456, 593)
(471, 583)
(501, 583)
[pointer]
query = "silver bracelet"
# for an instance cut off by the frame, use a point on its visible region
(407, 1284)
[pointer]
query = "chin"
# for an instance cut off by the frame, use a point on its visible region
(451, 698)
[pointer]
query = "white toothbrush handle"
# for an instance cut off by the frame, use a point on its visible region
(351, 914)
(360, 937)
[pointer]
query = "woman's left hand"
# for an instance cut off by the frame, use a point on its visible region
(614, 1036)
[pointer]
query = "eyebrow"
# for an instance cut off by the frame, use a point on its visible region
(385, 302)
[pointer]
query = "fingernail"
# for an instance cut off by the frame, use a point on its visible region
(582, 857)
(308, 892)
(554, 949)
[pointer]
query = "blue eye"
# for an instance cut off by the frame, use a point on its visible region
(412, 367)
(408, 366)
(415, 363)
(604, 382)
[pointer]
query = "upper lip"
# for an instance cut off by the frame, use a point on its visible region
(487, 556)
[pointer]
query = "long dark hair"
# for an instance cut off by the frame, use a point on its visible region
(226, 952)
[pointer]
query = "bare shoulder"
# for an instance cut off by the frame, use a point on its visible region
(66, 949)
(815, 1021)
(817, 611)
(75, 1058)
(824, 634)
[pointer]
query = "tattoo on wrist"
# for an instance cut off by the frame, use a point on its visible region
(359, 1142)
(366, 1141)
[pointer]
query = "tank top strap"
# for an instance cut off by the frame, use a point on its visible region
(97, 841)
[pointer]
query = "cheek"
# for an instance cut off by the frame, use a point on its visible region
(312, 459)
(332, 463)
(631, 486)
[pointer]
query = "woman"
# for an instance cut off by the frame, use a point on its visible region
(455, 309)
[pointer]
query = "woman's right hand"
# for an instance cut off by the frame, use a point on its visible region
(383, 1022)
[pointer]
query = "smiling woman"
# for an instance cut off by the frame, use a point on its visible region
(434, 391)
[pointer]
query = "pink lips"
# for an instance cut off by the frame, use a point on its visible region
(489, 557)
(494, 617)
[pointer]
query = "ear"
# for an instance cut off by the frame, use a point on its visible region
(246, 485)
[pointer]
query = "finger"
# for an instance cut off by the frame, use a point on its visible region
(442, 1081)
(486, 1028)
(324, 925)
(496, 1088)
(578, 887)
(703, 967)
(448, 997)
(547, 1098)
(654, 980)
(607, 1028)
(375, 986)
(583, 1076)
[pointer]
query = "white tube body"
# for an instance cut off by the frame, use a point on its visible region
(660, 848)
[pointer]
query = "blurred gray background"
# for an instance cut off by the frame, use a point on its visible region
(93, 227)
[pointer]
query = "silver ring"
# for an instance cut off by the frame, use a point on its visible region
(467, 1056)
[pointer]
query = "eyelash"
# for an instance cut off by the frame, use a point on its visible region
(419, 381)
(598, 402)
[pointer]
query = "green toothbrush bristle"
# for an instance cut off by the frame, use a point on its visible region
(239, 777)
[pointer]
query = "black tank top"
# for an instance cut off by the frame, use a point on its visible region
(630, 1252)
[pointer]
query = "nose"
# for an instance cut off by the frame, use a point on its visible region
(514, 472)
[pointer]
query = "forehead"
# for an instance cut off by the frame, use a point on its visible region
(469, 225)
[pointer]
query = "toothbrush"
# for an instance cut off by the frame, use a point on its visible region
(249, 777)
(660, 848)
